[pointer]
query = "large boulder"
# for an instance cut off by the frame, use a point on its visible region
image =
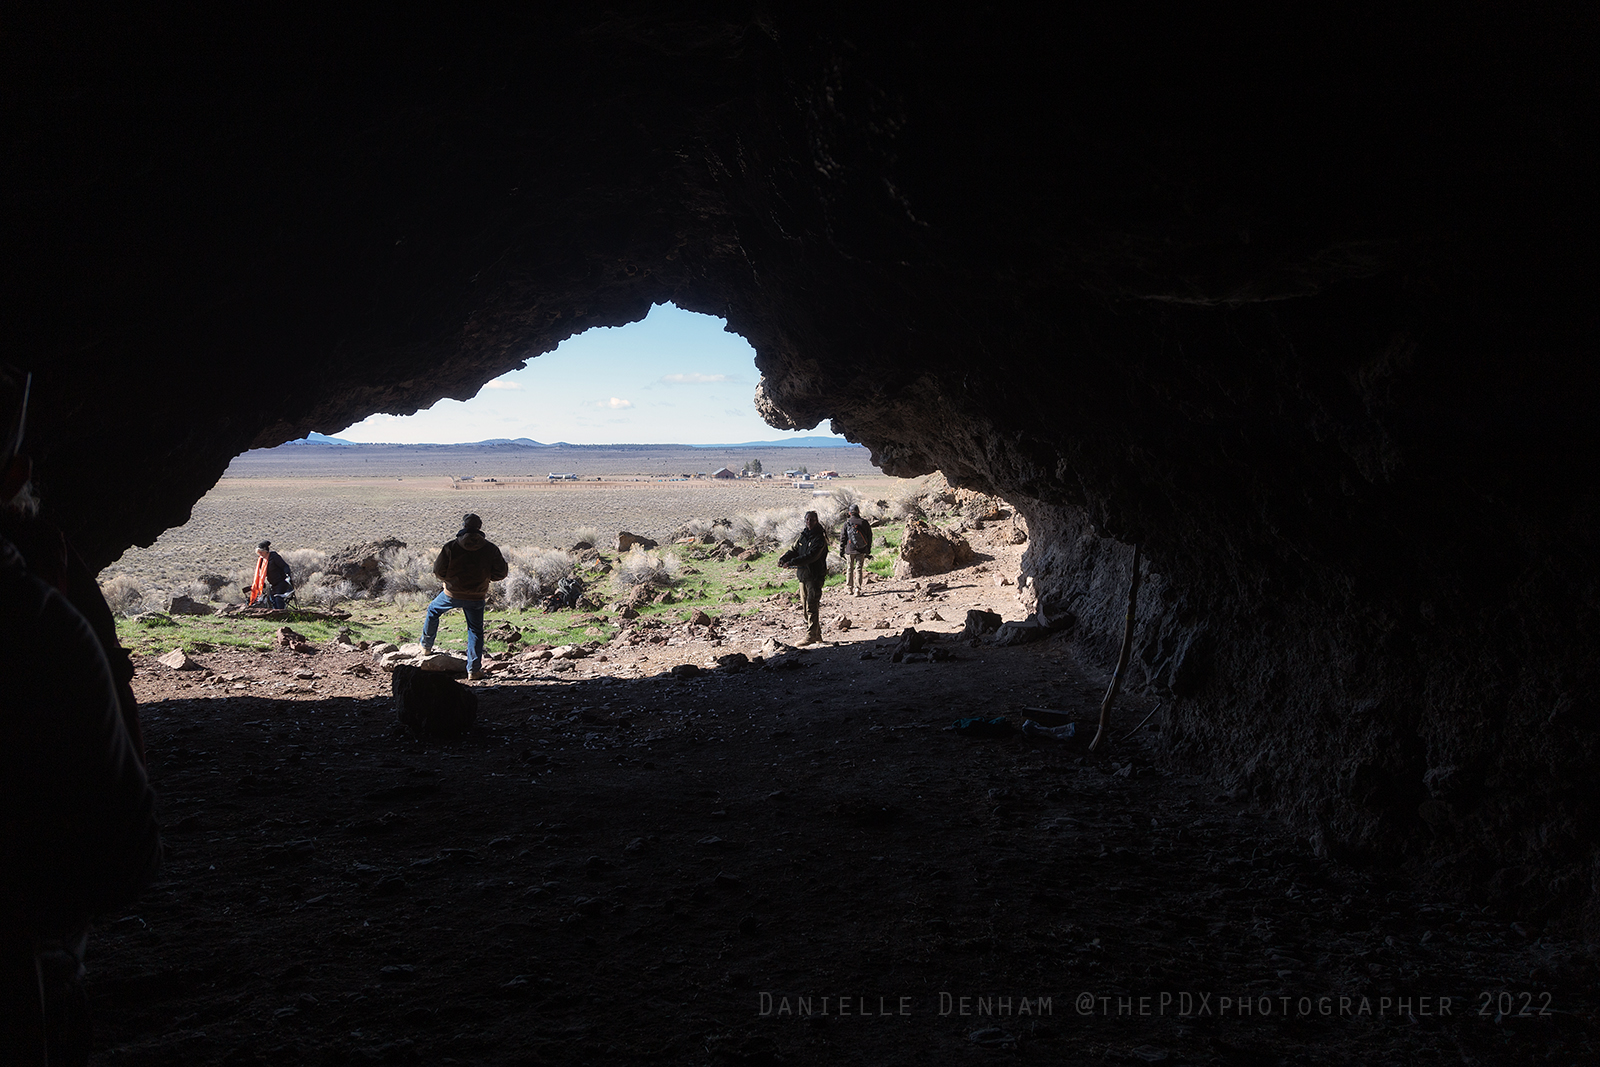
(980, 622)
(626, 541)
(362, 565)
(182, 605)
(930, 550)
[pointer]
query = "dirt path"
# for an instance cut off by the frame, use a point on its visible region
(620, 866)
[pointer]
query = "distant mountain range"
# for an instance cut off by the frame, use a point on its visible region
(314, 439)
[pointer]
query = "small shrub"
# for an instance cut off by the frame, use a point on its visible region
(199, 590)
(743, 529)
(641, 567)
(519, 590)
(324, 593)
(591, 534)
(304, 562)
(122, 594)
(410, 570)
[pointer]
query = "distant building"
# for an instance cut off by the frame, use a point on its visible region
(562, 477)
(723, 473)
(828, 474)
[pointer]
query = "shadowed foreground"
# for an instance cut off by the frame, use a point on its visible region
(620, 872)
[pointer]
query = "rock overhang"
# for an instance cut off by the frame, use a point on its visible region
(1305, 311)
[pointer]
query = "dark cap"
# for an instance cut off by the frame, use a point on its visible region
(265, 544)
(469, 521)
(855, 509)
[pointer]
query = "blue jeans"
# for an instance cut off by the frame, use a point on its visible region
(473, 610)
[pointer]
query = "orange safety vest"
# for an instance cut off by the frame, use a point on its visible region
(260, 581)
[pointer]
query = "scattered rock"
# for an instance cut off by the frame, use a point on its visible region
(636, 597)
(287, 638)
(980, 622)
(842, 623)
(182, 605)
(685, 670)
(774, 647)
(178, 660)
(442, 662)
(627, 541)
(1020, 633)
(627, 611)
(733, 662)
(910, 642)
(700, 618)
(883, 624)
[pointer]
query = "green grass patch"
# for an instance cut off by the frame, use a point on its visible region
(704, 584)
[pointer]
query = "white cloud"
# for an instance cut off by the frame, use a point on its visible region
(695, 379)
(614, 403)
(499, 384)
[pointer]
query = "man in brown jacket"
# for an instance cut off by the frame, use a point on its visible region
(466, 565)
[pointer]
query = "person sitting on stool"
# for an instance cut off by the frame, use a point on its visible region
(273, 581)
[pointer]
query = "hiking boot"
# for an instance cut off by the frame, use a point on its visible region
(807, 640)
(477, 676)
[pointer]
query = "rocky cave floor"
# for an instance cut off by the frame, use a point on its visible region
(620, 867)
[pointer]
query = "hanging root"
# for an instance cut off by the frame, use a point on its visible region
(1122, 659)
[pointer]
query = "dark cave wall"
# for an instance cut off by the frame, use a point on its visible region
(1305, 307)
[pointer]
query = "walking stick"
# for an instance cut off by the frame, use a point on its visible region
(1122, 660)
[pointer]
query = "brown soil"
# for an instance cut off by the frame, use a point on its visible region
(619, 866)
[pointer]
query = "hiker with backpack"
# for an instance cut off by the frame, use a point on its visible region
(855, 546)
(466, 566)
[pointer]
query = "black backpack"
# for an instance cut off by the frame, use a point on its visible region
(859, 533)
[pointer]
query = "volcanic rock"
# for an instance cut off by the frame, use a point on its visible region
(930, 550)
(182, 605)
(627, 541)
(178, 660)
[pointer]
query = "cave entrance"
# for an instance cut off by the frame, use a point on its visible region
(614, 430)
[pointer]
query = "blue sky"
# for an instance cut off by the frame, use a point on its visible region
(673, 378)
